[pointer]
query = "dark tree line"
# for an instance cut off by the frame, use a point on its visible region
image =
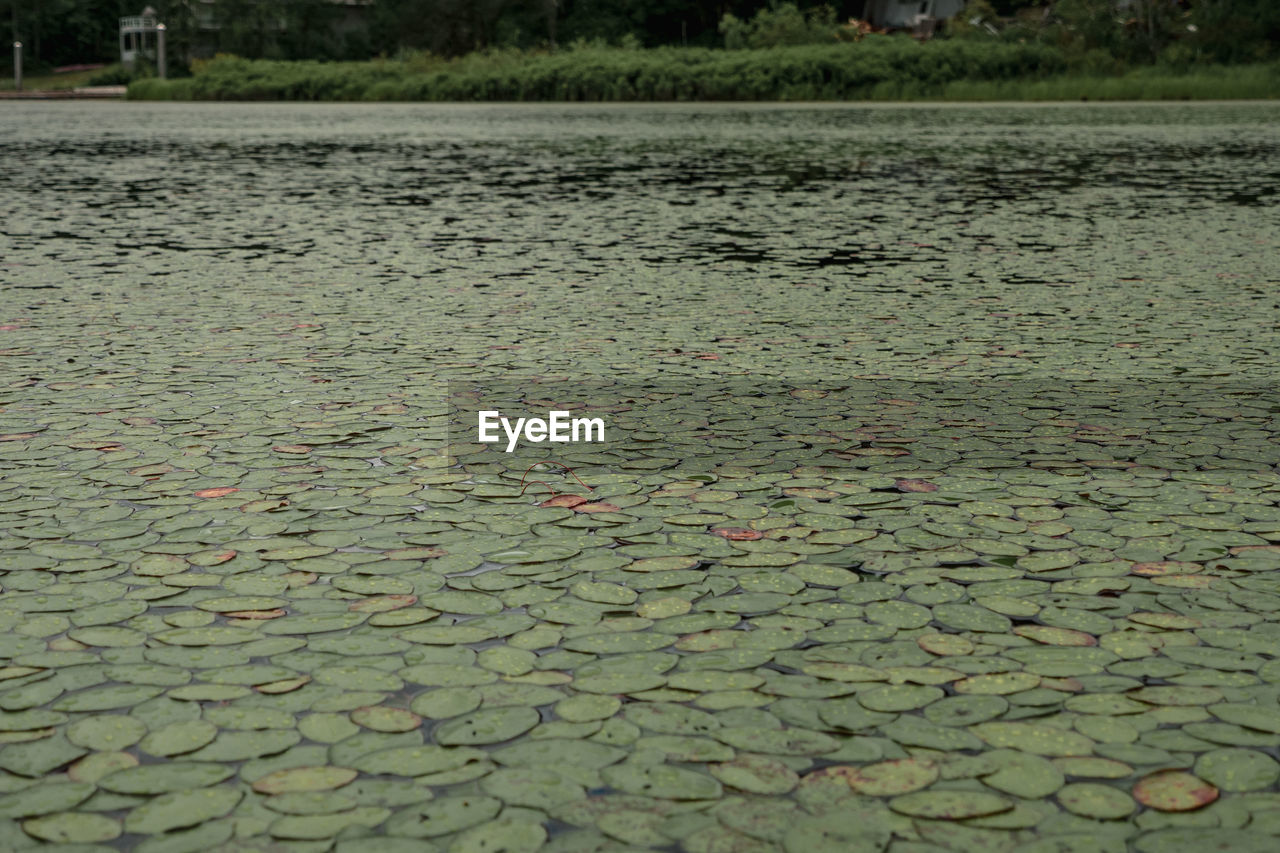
(62, 32)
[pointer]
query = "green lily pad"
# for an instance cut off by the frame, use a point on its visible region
(73, 828)
(295, 779)
(1032, 738)
(889, 778)
(415, 760)
(96, 765)
(899, 697)
(163, 778)
(1179, 839)
(181, 809)
(39, 757)
(107, 732)
(837, 833)
(776, 741)
(634, 827)
(756, 774)
(443, 816)
(179, 738)
(531, 787)
(1250, 716)
(487, 726)
(662, 780)
(514, 835)
(949, 805)
(309, 803)
(553, 751)
(314, 827)
(107, 698)
(44, 799)
(1238, 769)
(242, 746)
(1023, 775)
(1095, 800)
(383, 844)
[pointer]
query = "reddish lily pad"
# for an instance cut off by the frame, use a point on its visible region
(1174, 791)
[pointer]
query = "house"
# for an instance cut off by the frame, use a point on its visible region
(910, 14)
(195, 27)
(138, 37)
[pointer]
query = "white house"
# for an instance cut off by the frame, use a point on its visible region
(909, 14)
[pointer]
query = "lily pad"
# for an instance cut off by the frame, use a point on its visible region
(487, 726)
(531, 787)
(1174, 791)
(163, 778)
(662, 780)
(180, 809)
(889, 778)
(756, 774)
(949, 805)
(304, 779)
(443, 816)
(73, 827)
(1238, 769)
(44, 799)
(1023, 774)
(1095, 800)
(179, 738)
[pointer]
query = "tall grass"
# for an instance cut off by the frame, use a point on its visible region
(1143, 84)
(877, 68)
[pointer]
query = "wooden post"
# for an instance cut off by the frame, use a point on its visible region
(160, 64)
(17, 66)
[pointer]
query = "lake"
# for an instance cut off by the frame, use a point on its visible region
(936, 506)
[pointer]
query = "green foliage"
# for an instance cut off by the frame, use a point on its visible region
(114, 75)
(878, 67)
(1144, 84)
(976, 22)
(1233, 30)
(1094, 36)
(1103, 36)
(780, 24)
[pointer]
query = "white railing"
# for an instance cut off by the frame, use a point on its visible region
(137, 23)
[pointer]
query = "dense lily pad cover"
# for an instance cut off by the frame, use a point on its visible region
(938, 508)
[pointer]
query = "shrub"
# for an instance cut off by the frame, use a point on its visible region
(878, 67)
(780, 24)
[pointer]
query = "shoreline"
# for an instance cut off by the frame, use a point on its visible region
(84, 93)
(57, 95)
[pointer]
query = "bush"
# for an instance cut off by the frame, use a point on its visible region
(878, 67)
(113, 75)
(780, 24)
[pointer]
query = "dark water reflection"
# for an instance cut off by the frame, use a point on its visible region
(1153, 218)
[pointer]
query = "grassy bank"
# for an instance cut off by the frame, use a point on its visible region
(51, 82)
(878, 68)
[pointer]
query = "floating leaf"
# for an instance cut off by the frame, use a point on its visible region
(73, 828)
(756, 774)
(1174, 791)
(487, 726)
(1094, 800)
(662, 780)
(304, 779)
(180, 809)
(949, 805)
